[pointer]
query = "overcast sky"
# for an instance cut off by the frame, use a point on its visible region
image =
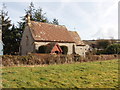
(92, 19)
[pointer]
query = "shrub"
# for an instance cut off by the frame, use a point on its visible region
(113, 49)
(100, 52)
(40, 59)
(102, 44)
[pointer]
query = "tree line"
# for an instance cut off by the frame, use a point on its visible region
(102, 46)
(11, 34)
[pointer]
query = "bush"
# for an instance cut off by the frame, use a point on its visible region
(40, 59)
(102, 44)
(100, 52)
(113, 49)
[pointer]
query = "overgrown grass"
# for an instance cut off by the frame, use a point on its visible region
(102, 74)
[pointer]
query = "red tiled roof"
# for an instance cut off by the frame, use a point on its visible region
(50, 32)
(76, 38)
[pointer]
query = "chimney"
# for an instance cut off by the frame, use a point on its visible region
(28, 19)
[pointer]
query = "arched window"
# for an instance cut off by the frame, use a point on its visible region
(42, 49)
(64, 49)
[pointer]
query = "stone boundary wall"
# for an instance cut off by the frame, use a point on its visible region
(41, 59)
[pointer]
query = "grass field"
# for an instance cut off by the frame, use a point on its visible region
(102, 74)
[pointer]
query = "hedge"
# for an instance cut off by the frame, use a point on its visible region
(40, 59)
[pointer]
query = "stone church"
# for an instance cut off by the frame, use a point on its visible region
(41, 37)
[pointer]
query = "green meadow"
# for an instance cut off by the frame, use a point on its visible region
(100, 74)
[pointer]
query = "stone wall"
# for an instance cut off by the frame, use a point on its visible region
(27, 42)
(81, 50)
(69, 45)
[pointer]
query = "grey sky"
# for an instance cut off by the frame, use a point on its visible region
(92, 19)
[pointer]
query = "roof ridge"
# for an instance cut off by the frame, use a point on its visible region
(48, 23)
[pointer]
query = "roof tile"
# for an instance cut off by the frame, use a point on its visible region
(50, 32)
(76, 38)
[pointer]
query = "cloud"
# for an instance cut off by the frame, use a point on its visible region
(108, 22)
(91, 19)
